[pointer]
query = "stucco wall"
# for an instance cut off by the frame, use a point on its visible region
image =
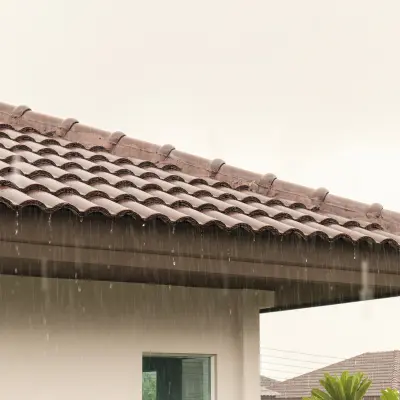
(64, 339)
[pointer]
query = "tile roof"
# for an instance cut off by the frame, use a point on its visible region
(55, 163)
(383, 368)
(266, 384)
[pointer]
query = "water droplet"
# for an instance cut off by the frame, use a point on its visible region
(306, 260)
(169, 287)
(143, 225)
(50, 230)
(79, 289)
(173, 262)
(230, 311)
(16, 222)
(16, 270)
(81, 219)
(47, 336)
(112, 226)
(173, 229)
(111, 285)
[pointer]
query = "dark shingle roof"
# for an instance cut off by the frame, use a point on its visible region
(383, 368)
(266, 384)
(64, 164)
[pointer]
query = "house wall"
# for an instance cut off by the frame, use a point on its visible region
(66, 339)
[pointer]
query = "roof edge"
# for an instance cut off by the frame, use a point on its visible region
(119, 144)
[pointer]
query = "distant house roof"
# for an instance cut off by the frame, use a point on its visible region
(67, 165)
(383, 368)
(266, 384)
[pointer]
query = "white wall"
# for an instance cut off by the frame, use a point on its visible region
(68, 340)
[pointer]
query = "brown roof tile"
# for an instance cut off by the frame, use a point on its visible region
(65, 164)
(383, 368)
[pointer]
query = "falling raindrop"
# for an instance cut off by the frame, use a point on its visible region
(173, 261)
(16, 270)
(79, 289)
(16, 223)
(50, 230)
(112, 226)
(143, 225)
(81, 219)
(111, 285)
(354, 254)
(47, 336)
(306, 260)
(173, 229)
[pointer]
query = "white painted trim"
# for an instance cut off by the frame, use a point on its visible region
(213, 378)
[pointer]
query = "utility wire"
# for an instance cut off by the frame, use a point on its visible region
(304, 354)
(287, 365)
(296, 359)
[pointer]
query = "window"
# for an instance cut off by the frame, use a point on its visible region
(176, 378)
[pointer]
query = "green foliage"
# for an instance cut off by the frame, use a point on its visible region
(149, 386)
(344, 387)
(390, 394)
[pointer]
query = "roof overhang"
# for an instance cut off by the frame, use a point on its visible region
(98, 248)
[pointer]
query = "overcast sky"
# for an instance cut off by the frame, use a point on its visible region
(308, 90)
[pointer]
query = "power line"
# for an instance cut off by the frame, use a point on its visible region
(298, 352)
(296, 373)
(285, 365)
(295, 359)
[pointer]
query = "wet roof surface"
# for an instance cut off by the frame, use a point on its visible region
(54, 164)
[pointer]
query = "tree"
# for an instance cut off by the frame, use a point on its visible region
(344, 387)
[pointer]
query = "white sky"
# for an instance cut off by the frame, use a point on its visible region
(308, 90)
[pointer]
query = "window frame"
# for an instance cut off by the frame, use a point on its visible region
(211, 357)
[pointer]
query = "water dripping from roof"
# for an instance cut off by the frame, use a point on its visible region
(50, 228)
(44, 280)
(16, 223)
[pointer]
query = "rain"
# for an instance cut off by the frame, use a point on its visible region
(148, 250)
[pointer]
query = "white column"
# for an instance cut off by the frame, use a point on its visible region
(250, 339)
